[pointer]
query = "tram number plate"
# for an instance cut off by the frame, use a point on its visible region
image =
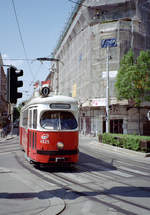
(60, 159)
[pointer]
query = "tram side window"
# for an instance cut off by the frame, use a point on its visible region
(35, 118)
(30, 119)
(25, 118)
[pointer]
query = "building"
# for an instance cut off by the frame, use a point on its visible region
(3, 96)
(83, 61)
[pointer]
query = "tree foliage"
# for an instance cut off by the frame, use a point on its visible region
(16, 114)
(133, 79)
(21, 105)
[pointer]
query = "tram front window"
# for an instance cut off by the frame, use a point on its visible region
(57, 120)
(67, 121)
(50, 120)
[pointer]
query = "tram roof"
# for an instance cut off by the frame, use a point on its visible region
(51, 99)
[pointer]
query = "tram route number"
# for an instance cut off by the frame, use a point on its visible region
(45, 141)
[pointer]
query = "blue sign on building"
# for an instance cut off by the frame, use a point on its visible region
(112, 42)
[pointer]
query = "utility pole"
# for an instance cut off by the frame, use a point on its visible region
(107, 93)
(57, 69)
(57, 83)
(107, 43)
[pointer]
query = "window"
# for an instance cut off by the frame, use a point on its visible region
(67, 121)
(50, 120)
(25, 118)
(58, 120)
(35, 118)
(30, 119)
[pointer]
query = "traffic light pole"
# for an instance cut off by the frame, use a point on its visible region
(11, 120)
(10, 112)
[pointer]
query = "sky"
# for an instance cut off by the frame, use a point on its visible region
(41, 22)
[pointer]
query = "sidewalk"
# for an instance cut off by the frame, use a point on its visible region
(9, 136)
(120, 151)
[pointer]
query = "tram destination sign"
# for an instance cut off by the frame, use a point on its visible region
(60, 106)
(111, 42)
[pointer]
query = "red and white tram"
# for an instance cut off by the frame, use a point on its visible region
(49, 129)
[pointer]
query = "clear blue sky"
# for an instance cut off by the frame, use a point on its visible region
(41, 23)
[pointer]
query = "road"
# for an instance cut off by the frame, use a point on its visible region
(103, 182)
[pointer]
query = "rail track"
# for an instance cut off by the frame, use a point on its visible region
(87, 182)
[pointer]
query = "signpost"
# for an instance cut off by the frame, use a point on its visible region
(107, 43)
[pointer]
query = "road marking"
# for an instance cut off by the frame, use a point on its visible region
(4, 170)
(77, 177)
(116, 172)
(134, 171)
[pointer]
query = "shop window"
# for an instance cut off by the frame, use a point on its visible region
(115, 126)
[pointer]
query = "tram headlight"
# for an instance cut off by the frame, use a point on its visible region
(60, 145)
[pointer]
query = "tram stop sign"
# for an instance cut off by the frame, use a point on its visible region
(45, 91)
(111, 42)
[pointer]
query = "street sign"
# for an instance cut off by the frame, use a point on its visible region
(111, 42)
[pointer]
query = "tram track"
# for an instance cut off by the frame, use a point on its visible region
(110, 159)
(67, 184)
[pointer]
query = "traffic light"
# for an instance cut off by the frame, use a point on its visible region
(13, 84)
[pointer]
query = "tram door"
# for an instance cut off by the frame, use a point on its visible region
(32, 130)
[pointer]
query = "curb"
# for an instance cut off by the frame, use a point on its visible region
(116, 148)
(56, 207)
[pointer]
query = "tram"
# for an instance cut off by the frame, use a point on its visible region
(49, 129)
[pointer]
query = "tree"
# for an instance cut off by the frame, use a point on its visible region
(16, 114)
(133, 79)
(21, 105)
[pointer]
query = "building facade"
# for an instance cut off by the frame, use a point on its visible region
(83, 61)
(3, 96)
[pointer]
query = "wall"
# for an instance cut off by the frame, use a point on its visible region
(83, 71)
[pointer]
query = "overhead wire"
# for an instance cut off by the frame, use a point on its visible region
(78, 3)
(19, 59)
(21, 38)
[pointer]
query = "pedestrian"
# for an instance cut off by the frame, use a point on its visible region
(3, 134)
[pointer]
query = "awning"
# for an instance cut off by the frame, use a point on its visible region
(101, 102)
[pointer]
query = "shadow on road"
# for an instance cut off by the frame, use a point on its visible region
(86, 163)
(68, 194)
